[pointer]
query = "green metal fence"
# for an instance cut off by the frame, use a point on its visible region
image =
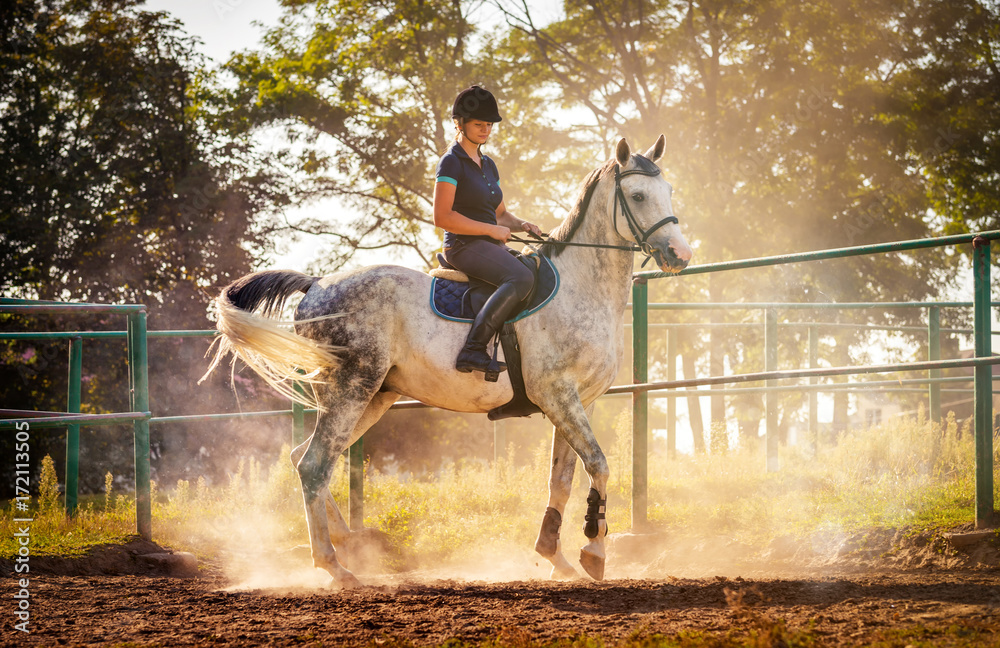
(934, 381)
(136, 336)
(983, 408)
(138, 396)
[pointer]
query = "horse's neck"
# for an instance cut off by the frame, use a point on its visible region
(604, 275)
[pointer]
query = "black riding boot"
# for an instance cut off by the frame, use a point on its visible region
(491, 318)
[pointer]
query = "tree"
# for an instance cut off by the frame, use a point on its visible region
(795, 126)
(114, 187)
(364, 92)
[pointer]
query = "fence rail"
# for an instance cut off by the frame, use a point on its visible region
(136, 336)
(983, 405)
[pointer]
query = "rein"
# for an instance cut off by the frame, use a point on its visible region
(640, 235)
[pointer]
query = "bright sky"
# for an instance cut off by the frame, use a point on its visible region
(224, 26)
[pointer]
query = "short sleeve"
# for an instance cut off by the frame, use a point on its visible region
(449, 169)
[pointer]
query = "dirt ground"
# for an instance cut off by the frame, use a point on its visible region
(931, 590)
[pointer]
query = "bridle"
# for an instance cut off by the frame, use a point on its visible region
(638, 233)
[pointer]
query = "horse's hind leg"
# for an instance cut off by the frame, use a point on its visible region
(340, 532)
(560, 484)
(335, 428)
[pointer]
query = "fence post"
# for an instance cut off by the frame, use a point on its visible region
(73, 429)
(813, 394)
(983, 418)
(934, 353)
(139, 402)
(640, 374)
(672, 402)
(770, 397)
(356, 485)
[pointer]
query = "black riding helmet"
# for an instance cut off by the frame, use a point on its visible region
(476, 103)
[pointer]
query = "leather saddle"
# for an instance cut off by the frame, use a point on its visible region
(457, 297)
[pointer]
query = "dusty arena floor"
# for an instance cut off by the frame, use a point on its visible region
(937, 603)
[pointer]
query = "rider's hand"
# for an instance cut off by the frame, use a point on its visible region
(532, 228)
(500, 233)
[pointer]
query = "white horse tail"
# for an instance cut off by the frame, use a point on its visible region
(270, 347)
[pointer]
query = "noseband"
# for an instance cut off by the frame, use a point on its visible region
(640, 235)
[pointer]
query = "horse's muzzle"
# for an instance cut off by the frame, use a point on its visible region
(669, 261)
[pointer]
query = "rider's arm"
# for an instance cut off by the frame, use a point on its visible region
(511, 221)
(447, 218)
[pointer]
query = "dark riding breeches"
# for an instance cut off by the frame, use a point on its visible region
(491, 262)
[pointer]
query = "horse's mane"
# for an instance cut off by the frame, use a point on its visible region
(568, 228)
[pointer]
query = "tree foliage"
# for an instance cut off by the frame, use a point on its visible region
(114, 187)
(364, 92)
(795, 126)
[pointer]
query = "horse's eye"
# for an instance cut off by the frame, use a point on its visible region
(638, 197)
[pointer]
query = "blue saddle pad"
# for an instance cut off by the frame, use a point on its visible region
(448, 297)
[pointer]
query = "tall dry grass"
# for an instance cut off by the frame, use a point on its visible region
(901, 473)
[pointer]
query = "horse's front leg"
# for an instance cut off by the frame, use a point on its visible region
(570, 419)
(560, 484)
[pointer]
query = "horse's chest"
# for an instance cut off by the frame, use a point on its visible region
(598, 352)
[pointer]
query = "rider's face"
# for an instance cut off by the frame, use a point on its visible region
(477, 131)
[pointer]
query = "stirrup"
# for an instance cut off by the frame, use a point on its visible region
(488, 367)
(496, 367)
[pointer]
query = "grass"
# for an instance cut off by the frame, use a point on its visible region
(901, 474)
(101, 519)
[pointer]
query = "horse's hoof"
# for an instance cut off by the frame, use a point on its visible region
(345, 580)
(564, 573)
(593, 565)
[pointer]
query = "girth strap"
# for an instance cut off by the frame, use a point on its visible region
(520, 404)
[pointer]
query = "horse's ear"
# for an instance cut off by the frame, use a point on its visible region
(623, 153)
(655, 151)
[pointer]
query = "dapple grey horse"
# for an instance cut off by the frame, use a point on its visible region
(364, 338)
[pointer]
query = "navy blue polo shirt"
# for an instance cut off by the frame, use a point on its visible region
(477, 190)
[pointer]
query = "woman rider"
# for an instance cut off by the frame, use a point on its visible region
(469, 206)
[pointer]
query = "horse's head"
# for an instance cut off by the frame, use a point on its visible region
(643, 210)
